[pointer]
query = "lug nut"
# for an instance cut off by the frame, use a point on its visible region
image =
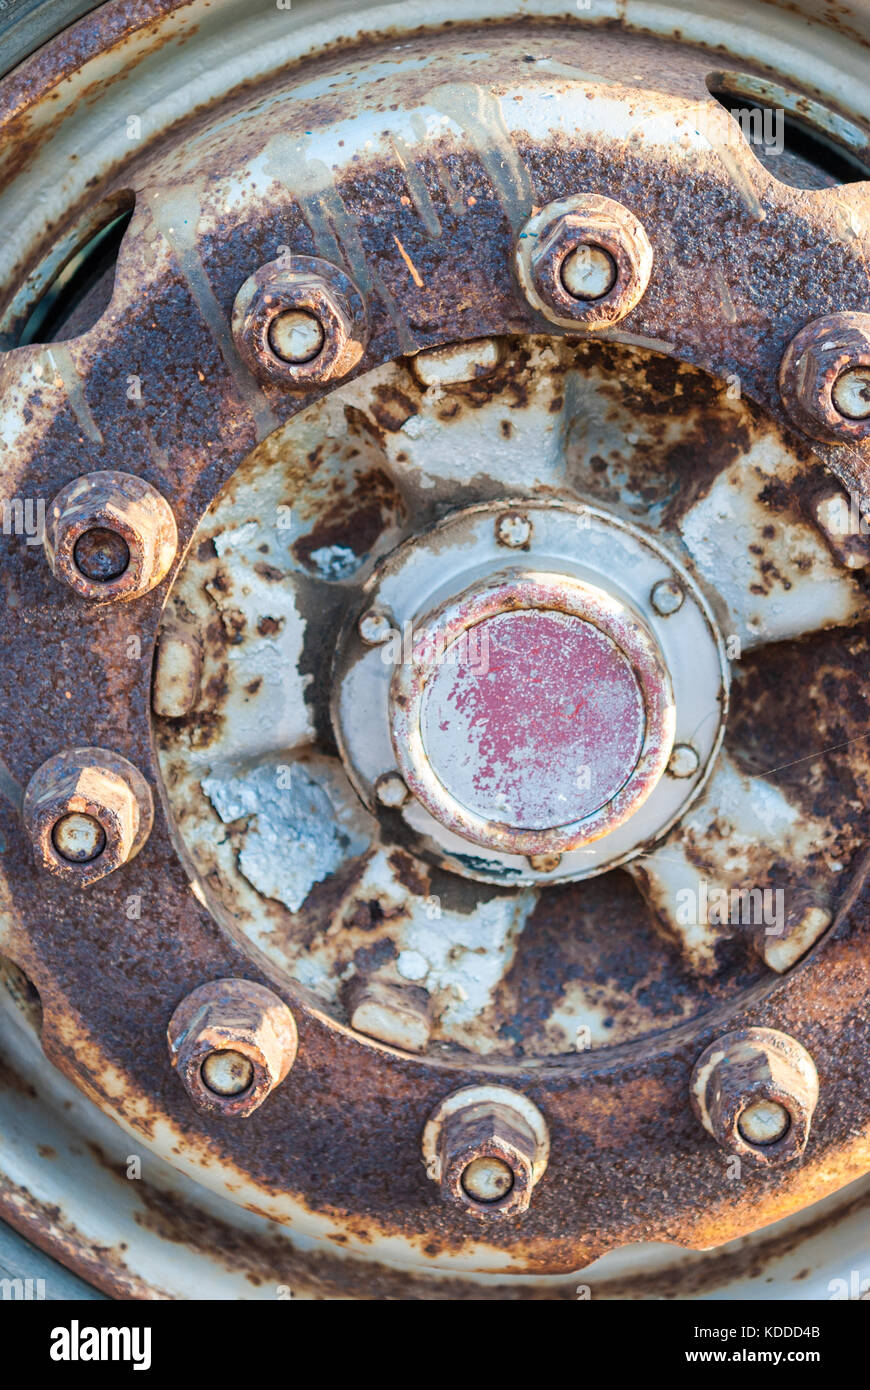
(487, 1147)
(824, 378)
(585, 259)
(667, 597)
(513, 530)
(300, 321)
(755, 1091)
(232, 1042)
(87, 812)
(110, 536)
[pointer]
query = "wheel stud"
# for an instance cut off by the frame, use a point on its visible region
(110, 536)
(232, 1042)
(755, 1091)
(487, 1147)
(87, 812)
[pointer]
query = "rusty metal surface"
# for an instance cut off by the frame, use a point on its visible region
(449, 153)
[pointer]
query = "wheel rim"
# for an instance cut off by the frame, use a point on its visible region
(64, 423)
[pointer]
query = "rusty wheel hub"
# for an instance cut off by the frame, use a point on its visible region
(527, 705)
(433, 816)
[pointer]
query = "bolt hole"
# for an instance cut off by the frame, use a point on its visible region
(78, 839)
(75, 282)
(801, 142)
(101, 555)
(487, 1180)
(22, 991)
(227, 1073)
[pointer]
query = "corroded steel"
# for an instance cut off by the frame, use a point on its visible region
(440, 164)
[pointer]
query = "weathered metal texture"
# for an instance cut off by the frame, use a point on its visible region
(555, 234)
(300, 285)
(434, 730)
(110, 536)
(242, 1024)
(755, 1091)
(742, 263)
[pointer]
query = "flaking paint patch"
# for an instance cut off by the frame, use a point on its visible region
(292, 840)
(465, 957)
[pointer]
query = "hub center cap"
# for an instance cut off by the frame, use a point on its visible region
(536, 720)
(535, 712)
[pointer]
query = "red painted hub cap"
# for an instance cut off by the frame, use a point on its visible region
(535, 713)
(533, 718)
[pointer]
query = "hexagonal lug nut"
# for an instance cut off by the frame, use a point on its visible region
(302, 285)
(87, 812)
(487, 1147)
(398, 1014)
(110, 536)
(755, 1091)
(813, 363)
(177, 671)
(561, 228)
(237, 1035)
